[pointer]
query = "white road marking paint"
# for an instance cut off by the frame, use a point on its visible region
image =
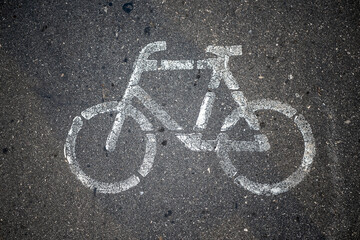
(133, 180)
(220, 65)
(264, 104)
(194, 142)
(86, 180)
(139, 117)
(155, 108)
(222, 149)
(241, 112)
(99, 108)
(69, 149)
(116, 129)
(124, 107)
(143, 65)
(296, 177)
(177, 65)
(205, 111)
(125, 110)
(260, 144)
(222, 145)
(149, 157)
(309, 141)
(225, 51)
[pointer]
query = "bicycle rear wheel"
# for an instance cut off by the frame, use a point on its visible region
(296, 177)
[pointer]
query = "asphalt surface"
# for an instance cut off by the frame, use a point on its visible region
(59, 58)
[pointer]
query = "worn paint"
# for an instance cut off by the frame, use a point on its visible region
(222, 145)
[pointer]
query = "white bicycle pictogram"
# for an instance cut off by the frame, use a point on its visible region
(222, 145)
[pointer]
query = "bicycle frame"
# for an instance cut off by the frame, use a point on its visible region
(194, 140)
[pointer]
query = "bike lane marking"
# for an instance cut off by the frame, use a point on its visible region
(193, 141)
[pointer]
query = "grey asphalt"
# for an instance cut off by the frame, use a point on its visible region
(59, 58)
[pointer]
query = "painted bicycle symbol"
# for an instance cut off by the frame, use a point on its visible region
(222, 145)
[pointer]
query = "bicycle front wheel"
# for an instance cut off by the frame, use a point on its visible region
(104, 187)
